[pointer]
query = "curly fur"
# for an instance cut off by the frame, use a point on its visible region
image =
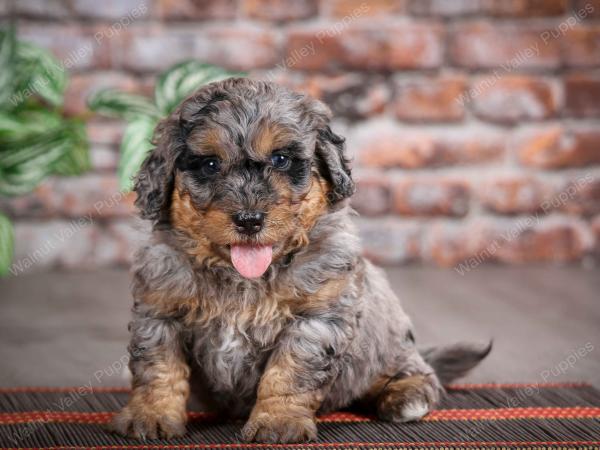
(319, 330)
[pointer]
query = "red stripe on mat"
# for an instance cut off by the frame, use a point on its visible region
(432, 444)
(443, 415)
(467, 386)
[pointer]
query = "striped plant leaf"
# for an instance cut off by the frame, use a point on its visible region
(182, 80)
(77, 158)
(121, 105)
(135, 146)
(21, 182)
(40, 74)
(28, 166)
(7, 243)
(7, 74)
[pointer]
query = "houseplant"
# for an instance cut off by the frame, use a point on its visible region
(36, 138)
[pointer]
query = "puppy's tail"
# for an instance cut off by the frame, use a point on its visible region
(454, 361)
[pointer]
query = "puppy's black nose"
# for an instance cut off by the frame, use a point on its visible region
(249, 222)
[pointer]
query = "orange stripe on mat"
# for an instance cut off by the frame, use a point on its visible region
(443, 415)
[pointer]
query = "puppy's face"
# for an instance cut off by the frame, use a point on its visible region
(247, 169)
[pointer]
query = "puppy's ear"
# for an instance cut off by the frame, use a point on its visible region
(154, 182)
(332, 162)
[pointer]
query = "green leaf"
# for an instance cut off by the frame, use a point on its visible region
(7, 74)
(39, 73)
(26, 124)
(7, 243)
(137, 142)
(121, 105)
(183, 79)
(77, 158)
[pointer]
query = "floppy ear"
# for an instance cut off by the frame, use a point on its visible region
(154, 182)
(334, 165)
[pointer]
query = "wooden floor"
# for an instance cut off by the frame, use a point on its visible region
(60, 329)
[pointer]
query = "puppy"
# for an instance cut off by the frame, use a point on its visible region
(252, 288)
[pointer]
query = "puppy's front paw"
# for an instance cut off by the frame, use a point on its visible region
(279, 428)
(145, 423)
(408, 399)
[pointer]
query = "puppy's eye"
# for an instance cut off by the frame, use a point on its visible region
(280, 161)
(210, 166)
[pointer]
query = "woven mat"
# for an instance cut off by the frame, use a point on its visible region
(470, 417)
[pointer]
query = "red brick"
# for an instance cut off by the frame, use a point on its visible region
(582, 95)
(513, 99)
(372, 195)
(445, 8)
(78, 244)
(45, 9)
(430, 197)
(348, 95)
(90, 195)
(351, 8)
(385, 145)
(76, 47)
(82, 86)
(430, 99)
(514, 194)
(581, 196)
(581, 46)
(557, 147)
(232, 46)
(105, 132)
(365, 46)
(122, 12)
(280, 10)
(506, 47)
(586, 9)
(450, 244)
(526, 8)
(390, 241)
(513, 8)
(57, 243)
(196, 9)
(104, 158)
(527, 240)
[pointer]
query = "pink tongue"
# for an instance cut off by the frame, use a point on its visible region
(251, 261)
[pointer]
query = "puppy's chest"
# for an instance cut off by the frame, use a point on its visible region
(232, 348)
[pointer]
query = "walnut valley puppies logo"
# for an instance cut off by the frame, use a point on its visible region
(80, 54)
(520, 57)
(550, 374)
(523, 225)
(310, 49)
(55, 242)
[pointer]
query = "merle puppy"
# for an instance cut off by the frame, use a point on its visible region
(252, 287)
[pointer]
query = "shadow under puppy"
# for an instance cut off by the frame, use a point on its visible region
(252, 287)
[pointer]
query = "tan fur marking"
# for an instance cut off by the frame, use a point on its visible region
(208, 141)
(270, 137)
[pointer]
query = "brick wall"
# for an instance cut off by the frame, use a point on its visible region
(474, 124)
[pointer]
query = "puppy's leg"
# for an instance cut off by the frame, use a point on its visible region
(157, 406)
(408, 399)
(408, 396)
(297, 377)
